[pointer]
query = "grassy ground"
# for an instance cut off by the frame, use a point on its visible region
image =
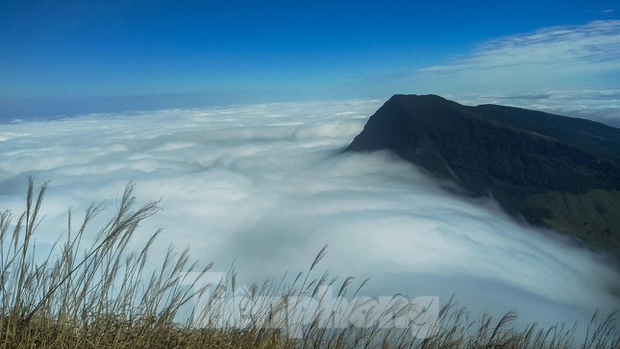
(100, 295)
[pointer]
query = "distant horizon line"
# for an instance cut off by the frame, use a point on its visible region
(568, 103)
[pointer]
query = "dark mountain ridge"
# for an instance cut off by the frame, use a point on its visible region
(552, 171)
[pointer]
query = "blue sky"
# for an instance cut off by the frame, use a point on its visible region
(235, 51)
(236, 179)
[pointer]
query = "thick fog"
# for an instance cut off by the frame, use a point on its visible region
(266, 186)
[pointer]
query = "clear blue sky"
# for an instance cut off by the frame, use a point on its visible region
(267, 49)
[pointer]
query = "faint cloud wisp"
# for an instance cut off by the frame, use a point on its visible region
(556, 58)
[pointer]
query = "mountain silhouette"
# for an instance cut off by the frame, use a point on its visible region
(552, 171)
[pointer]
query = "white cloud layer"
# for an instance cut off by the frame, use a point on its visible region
(266, 186)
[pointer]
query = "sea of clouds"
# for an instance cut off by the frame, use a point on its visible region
(265, 187)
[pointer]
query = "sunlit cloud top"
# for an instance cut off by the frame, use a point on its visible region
(267, 186)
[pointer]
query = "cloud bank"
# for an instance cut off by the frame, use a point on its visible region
(266, 186)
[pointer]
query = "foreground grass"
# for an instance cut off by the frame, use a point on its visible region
(102, 296)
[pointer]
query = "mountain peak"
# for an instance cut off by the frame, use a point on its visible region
(549, 170)
(422, 100)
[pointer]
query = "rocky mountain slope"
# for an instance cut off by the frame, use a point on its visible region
(549, 170)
